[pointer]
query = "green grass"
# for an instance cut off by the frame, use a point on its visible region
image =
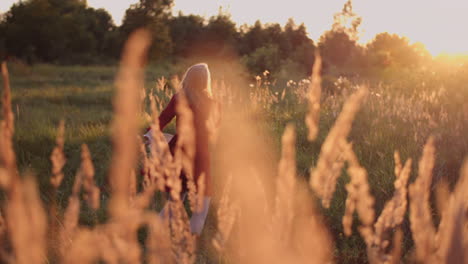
(82, 96)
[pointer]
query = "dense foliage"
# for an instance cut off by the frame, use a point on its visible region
(70, 32)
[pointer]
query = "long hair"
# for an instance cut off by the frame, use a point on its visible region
(196, 85)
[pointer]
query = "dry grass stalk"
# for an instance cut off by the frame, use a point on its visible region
(116, 241)
(193, 195)
(5, 257)
(26, 223)
(185, 148)
(453, 250)
(83, 179)
(145, 165)
(422, 226)
(286, 186)
(84, 248)
(359, 197)
(391, 217)
(158, 243)
(161, 160)
(160, 168)
(91, 191)
(183, 241)
(311, 241)
(394, 211)
(149, 184)
(3, 228)
(165, 171)
(315, 90)
(442, 196)
(160, 84)
(323, 177)
(58, 157)
(125, 127)
(397, 247)
(226, 215)
(7, 126)
(113, 242)
(58, 161)
(452, 231)
(71, 216)
(398, 166)
(123, 236)
(162, 94)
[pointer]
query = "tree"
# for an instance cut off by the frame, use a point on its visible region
(67, 6)
(31, 31)
(338, 46)
(300, 48)
(221, 36)
(263, 58)
(288, 46)
(186, 32)
(100, 25)
(64, 31)
(296, 35)
(392, 50)
(252, 38)
(2, 37)
(153, 15)
(347, 21)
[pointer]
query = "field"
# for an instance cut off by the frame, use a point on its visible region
(401, 111)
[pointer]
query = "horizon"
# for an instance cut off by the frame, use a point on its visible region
(415, 20)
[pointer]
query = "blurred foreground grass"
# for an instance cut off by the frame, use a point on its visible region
(402, 110)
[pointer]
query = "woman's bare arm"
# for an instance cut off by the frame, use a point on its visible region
(168, 113)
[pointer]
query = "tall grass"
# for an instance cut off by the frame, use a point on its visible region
(264, 213)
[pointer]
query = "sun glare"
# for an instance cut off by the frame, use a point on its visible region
(439, 25)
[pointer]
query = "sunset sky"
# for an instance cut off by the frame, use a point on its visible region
(440, 24)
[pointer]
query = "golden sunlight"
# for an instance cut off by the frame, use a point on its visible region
(439, 25)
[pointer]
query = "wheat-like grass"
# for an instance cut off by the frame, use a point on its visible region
(313, 95)
(323, 177)
(7, 128)
(286, 186)
(58, 157)
(183, 241)
(391, 217)
(227, 213)
(125, 127)
(27, 223)
(452, 234)
(260, 219)
(359, 197)
(91, 191)
(422, 226)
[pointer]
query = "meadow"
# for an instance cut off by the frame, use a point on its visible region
(406, 111)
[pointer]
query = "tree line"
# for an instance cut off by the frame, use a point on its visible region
(70, 32)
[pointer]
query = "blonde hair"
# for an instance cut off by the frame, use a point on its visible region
(196, 84)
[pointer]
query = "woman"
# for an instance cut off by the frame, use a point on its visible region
(196, 88)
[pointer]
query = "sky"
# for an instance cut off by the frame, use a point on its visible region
(442, 25)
